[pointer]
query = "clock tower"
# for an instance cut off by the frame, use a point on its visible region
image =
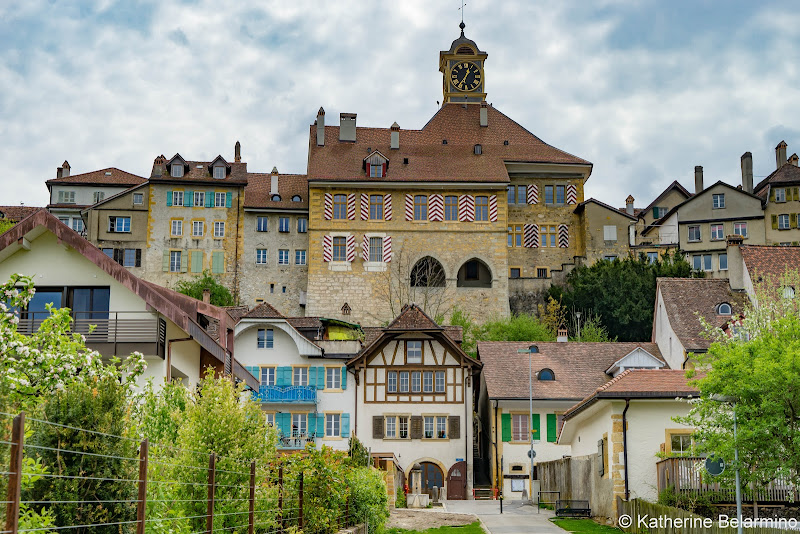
(462, 70)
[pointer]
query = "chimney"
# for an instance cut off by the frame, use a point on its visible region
(394, 136)
(158, 166)
(59, 172)
(207, 296)
(65, 168)
(237, 152)
(484, 114)
(735, 263)
(793, 159)
(747, 172)
(347, 127)
(780, 154)
(629, 205)
(321, 127)
(273, 181)
(698, 179)
(562, 335)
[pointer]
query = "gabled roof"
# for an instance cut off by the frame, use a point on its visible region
(412, 317)
(429, 159)
(221, 159)
(674, 186)
(788, 174)
(688, 299)
(265, 310)
(769, 261)
(198, 171)
(116, 196)
(108, 176)
(580, 207)
(180, 309)
(621, 362)
(16, 213)
(257, 193)
(579, 368)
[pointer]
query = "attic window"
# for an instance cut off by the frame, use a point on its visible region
(478, 150)
(444, 141)
(788, 292)
(219, 172)
(199, 167)
(108, 173)
(724, 309)
(405, 161)
(346, 309)
(505, 142)
(375, 171)
(546, 374)
(176, 171)
(465, 50)
(276, 198)
(297, 198)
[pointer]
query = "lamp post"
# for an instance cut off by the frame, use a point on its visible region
(731, 400)
(578, 321)
(533, 349)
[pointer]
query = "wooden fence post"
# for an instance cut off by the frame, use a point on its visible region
(251, 523)
(212, 475)
(141, 506)
(347, 512)
(300, 504)
(280, 498)
(15, 476)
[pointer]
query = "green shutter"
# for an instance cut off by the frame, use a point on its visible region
(184, 262)
(169, 198)
(551, 427)
(218, 262)
(312, 376)
(209, 199)
(228, 199)
(188, 199)
(344, 377)
(196, 261)
(506, 426)
(284, 422)
(320, 425)
(536, 426)
(165, 261)
(345, 424)
(771, 194)
(655, 213)
(280, 376)
(320, 378)
(797, 193)
(774, 222)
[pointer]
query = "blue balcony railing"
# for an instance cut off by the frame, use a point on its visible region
(288, 394)
(295, 442)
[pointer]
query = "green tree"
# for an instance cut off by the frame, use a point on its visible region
(5, 225)
(220, 295)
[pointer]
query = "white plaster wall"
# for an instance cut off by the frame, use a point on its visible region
(668, 233)
(84, 194)
(668, 343)
(586, 429)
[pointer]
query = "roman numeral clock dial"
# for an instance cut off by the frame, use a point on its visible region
(465, 76)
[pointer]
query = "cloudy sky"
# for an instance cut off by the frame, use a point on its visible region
(644, 89)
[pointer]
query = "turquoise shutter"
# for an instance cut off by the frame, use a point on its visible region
(344, 378)
(188, 199)
(320, 425)
(345, 424)
(655, 213)
(169, 199)
(320, 378)
(209, 199)
(280, 376)
(228, 199)
(284, 422)
(312, 376)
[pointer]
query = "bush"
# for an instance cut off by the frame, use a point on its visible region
(400, 498)
(220, 295)
(696, 503)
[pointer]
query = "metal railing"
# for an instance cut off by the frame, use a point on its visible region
(298, 441)
(101, 327)
(288, 394)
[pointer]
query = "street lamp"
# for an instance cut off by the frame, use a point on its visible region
(578, 321)
(731, 400)
(533, 349)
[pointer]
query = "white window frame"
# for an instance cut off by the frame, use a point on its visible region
(780, 194)
(438, 382)
(523, 432)
(219, 229)
(269, 375)
(259, 219)
(97, 196)
(176, 170)
(699, 234)
(176, 196)
(175, 261)
(333, 425)
(428, 421)
(268, 340)
(714, 228)
(375, 249)
(300, 254)
(220, 199)
(66, 197)
(333, 378)
(404, 382)
(300, 423)
(719, 260)
(261, 256)
(391, 382)
(195, 227)
(283, 256)
(416, 350)
(738, 227)
(176, 224)
(199, 199)
(219, 172)
(427, 385)
(284, 225)
(138, 199)
(302, 225)
(783, 217)
(300, 376)
(718, 201)
(390, 427)
(416, 381)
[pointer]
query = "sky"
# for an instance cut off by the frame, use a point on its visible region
(645, 90)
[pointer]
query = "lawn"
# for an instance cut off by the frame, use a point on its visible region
(473, 528)
(584, 526)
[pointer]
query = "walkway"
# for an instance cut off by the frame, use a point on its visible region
(515, 519)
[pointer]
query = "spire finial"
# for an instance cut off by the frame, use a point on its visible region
(462, 25)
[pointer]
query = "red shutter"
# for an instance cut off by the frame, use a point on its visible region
(387, 207)
(351, 248)
(387, 249)
(351, 206)
(328, 207)
(436, 207)
(364, 206)
(493, 208)
(327, 248)
(365, 248)
(409, 207)
(466, 208)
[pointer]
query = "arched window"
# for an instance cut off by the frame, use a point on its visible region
(724, 309)
(474, 273)
(546, 374)
(276, 198)
(427, 272)
(788, 292)
(297, 198)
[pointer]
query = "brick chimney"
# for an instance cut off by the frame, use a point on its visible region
(59, 172)
(237, 152)
(747, 172)
(780, 154)
(207, 296)
(629, 205)
(158, 166)
(394, 136)
(562, 337)
(65, 167)
(320, 127)
(698, 179)
(347, 127)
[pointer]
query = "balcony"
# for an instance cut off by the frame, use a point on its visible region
(297, 442)
(286, 394)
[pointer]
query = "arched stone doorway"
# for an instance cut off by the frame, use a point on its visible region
(474, 273)
(432, 475)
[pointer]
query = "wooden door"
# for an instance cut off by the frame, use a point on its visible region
(457, 481)
(431, 476)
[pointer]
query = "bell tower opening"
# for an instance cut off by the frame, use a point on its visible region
(462, 71)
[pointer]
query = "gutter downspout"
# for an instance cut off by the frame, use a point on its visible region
(169, 356)
(496, 460)
(466, 441)
(625, 446)
(355, 404)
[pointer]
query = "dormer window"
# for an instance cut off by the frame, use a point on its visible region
(780, 194)
(276, 198)
(546, 375)
(176, 171)
(219, 172)
(376, 164)
(297, 198)
(724, 309)
(478, 150)
(376, 171)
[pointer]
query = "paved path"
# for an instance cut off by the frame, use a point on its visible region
(515, 519)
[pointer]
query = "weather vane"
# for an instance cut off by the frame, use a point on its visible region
(462, 25)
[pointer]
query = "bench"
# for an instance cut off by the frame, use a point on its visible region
(569, 508)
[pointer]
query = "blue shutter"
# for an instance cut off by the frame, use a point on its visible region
(169, 198)
(345, 424)
(344, 377)
(188, 199)
(284, 421)
(209, 199)
(280, 376)
(312, 376)
(320, 425)
(228, 199)
(320, 378)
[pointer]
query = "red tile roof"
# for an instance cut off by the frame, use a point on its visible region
(579, 368)
(769, 261)
(198, 172)
(257, 193)
(108, 176)
(17, 213)
(429, 160)
(265, 310)
(788, 174)
(413, 318)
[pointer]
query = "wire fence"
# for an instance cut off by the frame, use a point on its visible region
(56, 478)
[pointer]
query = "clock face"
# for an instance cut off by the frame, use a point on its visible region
(465, 76)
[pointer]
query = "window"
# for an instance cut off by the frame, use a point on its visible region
(299, 422)
(659, 212)
(441, 427)
(548, 194)
(300, 376)
(77, 224)
(261, 224)
(219, 229)
(694, 233)
(403, 381)
(413, 351)
(717, 232)
(269, 418)
(427, 382)
(283, 224)
(261, 256)
(333, 378)
(522, 197)
(396, 427)
(299, 257)
(420, 208)
(198, 228)
(548, 235)
(266, 338)
(177, 227)
(788, 292)
(283, 257)
(478, 149)
(391, 382)
(610, 257)
(783, 221)
(740, 228)
(220, 200)
(119, 224)
(680, 444)
(724, 309)
(275, 198)
(332, 425)
(560, 194)
(376, 171)
(514, 272)
(482, 208)
(199, 199)
(176, 170)
(138, 199)
(451, 208)
(701, 262)
(512, 194)
(402, 424)
(175, 261)
(129, 257)
(339, 249)
(267, 376)
(718, 201)
(97, 196)
(429, 422)
(375, 249)
(519, 427)
(416, 381)
(609, 233)
(780, 194)
(302, 225)
(390, 427)
(546, 375)
(376, 207)
(340, 206)
(66, 197)
(652, 257)
(541, 272)
(219, 172)
(177, 198)
(723, 262)
(440, 382)
(296, 198)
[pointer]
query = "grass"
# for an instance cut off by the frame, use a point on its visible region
(473, 528)
(584, 526)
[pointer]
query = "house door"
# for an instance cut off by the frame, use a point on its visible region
(431, 476)
(457, 482)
